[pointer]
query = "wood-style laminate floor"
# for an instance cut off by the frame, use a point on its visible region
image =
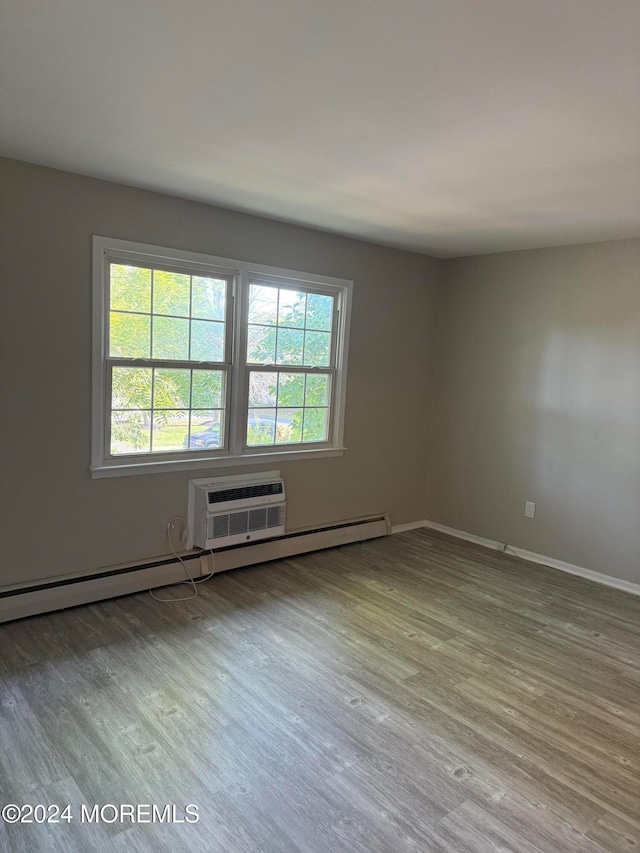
(412, 693)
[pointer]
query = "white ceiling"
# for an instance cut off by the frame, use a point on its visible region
(450, 127)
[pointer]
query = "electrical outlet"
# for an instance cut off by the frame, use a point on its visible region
(177, 530)
(529, 509)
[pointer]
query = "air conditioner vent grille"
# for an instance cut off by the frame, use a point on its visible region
(259, 490)
(238, 523)
(257, 519)
(220, 524)
(248, 521)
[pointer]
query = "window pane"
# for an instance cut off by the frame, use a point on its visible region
(290, 346)
(292, 308)
(206, 390)
(131, 388)
(319, 312)
(317, 349)
(289, 426)
(170, 338)
(208, 298)
(261, 345)
(171, 293)
(291, 389)
(261, 426)
(317, 390)
(129, 335)
(316, 424)
(262, 389)
(171, 389)
(263, 304)
(207, 341)
(170, 430)
(130, 288)
(130, 432)
(207, 430)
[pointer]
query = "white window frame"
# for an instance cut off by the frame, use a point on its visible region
(237, 453)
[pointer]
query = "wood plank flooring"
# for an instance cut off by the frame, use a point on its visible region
(412, 693)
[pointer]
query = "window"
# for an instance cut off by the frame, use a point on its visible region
(201, 361)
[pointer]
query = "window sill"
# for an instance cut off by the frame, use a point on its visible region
(99, 472)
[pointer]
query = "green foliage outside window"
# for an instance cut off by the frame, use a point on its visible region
(292, 329)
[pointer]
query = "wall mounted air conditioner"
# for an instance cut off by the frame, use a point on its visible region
(233, 513)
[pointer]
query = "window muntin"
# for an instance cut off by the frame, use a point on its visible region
(288, 408)
(160, 314)
(292, 329)
(180, 341)
(161, 317)
(288, 326)
(166, 409)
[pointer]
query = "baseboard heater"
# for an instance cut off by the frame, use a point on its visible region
(60, 593)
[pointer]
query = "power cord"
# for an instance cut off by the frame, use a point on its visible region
(190, 577)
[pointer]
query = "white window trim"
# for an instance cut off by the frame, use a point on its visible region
(106, 249)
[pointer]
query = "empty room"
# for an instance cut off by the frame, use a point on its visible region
(320, 426)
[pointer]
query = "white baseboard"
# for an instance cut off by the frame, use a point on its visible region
(462, 534)
(532, 557)
(63, 592)
(412, 525)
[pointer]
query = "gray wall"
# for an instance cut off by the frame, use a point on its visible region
(53, 518)
(538, 398)
(537, 393)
